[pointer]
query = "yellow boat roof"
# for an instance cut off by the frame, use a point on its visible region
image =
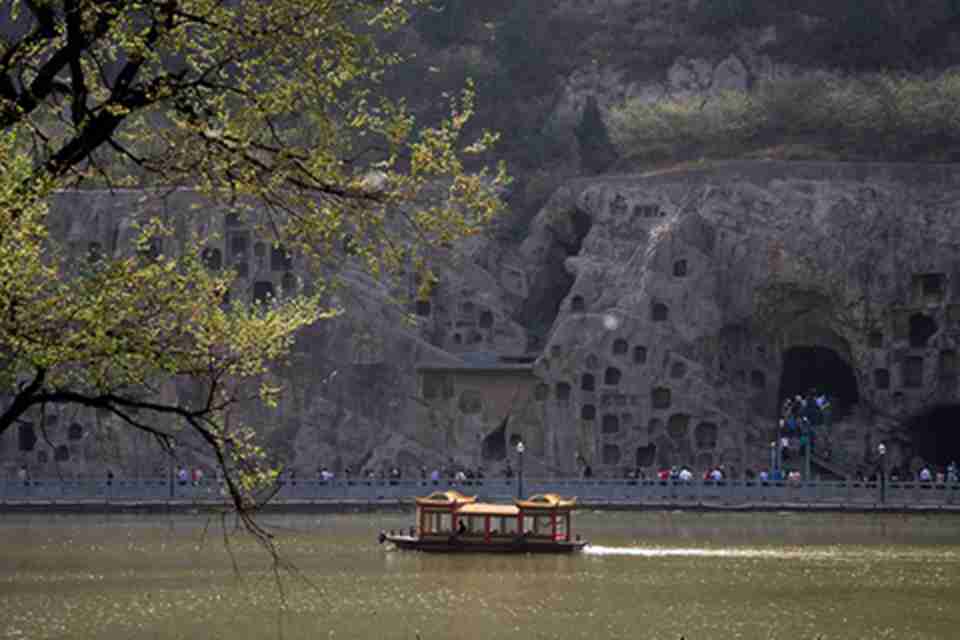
(446, 498)
(487, 509)
(546, 501)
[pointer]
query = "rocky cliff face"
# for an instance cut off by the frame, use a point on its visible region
(647, 320)
(701, 297)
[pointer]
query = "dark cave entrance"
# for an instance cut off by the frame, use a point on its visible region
(494, 447)
(935, 435)
(819, 368)
(546, 295)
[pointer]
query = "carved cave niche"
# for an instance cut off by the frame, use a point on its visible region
(555, 351)
(757, 380)
(94, 252)
(212, 258)
(423, 308)
(646, 456)
(611, 454)
(930, 286)
(678, 426)
(639, 355)
(577, 304)
(659, 312)
(881, 379)
(588, 382)
(620, 347)
(75, 432)
(471, 402)
(660, 398)
(563, 393)
(263, 292)
(280, 258)
(26, 437)
(706, 435)
(922, 328)
(42, 457)
(288, 284)
(680, 269)
(588, 412)
(232, 220)
(678, 370)
(948, 365)
(611, 376)
(541, 392)
(61, 453)
(457, 338)
(239, 242)
(610, 424)
(486, 319)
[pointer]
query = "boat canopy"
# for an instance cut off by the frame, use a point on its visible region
(486, 509)
(546, 502)
(449, 498)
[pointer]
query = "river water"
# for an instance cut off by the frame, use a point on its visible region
(646, 575)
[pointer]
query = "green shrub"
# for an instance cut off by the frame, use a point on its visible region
(882, 116)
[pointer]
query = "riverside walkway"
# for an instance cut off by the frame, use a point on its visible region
(159, 493)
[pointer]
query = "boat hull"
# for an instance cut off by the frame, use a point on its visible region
(455, 544)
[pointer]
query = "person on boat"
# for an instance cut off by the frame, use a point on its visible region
(462, 528)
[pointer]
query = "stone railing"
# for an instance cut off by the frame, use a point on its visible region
(590, 492)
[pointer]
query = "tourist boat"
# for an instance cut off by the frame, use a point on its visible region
(448, 521)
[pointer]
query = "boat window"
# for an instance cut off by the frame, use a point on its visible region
(508, 526)
(544, 528)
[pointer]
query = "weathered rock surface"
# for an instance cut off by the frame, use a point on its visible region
(647, 320)
(693, 287)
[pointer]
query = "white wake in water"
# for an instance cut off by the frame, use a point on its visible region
(661, 552)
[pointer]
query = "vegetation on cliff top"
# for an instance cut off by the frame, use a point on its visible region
(872, 117)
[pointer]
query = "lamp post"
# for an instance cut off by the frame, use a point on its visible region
(520, 450)
(882, 454)
(773, 456)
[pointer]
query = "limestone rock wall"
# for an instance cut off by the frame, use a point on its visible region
(691, 286)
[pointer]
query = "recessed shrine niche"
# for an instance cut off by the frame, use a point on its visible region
(930, 287)
(588, 382)
(611, 376)
(423, 308)
(646, 456)
(660, 398)
(588, 412)
(486, 319)
(639, 355)
(620, 347)
(922, 328)
(680, 268)
(75, 432)
(706, 435)
(758, 380)
(659, 312)
(678, 426)
(577, 304)
(563, 393)
(610, 424)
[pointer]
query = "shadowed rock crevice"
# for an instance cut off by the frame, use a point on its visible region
(553, 281)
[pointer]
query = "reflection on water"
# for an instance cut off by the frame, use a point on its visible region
(645, 575)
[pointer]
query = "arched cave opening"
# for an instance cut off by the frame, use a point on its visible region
(935, 435)
(494, 447)
(554, 282)
(823, 369)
